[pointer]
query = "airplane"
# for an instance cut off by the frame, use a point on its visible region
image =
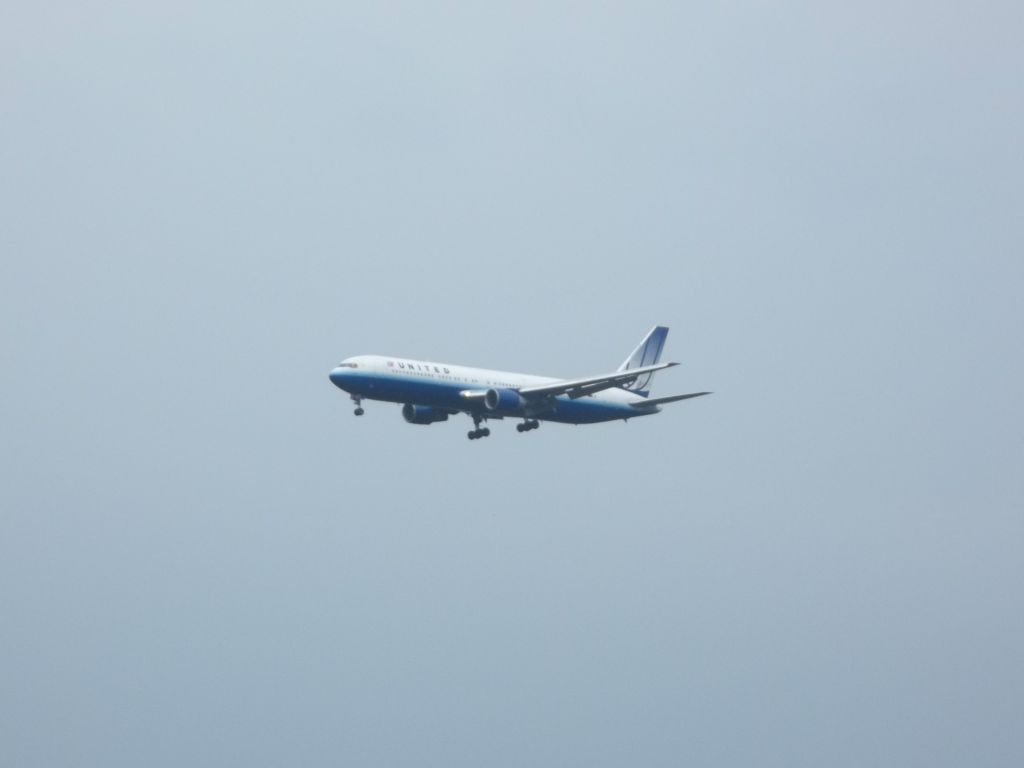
(431, 392)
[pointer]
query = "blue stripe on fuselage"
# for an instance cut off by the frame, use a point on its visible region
(398, 388)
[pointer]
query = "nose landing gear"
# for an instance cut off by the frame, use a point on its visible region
(359, 405)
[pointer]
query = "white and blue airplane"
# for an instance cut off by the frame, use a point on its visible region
(431, 392)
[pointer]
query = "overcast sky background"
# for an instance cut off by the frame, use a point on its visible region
(206, 560)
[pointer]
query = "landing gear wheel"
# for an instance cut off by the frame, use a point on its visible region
(527, 425)
(359, 411)
(478, 432)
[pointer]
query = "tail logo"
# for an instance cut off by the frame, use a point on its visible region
(648, 352)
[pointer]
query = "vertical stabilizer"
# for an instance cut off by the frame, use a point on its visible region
(648, 352)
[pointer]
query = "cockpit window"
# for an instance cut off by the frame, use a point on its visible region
(347, 365)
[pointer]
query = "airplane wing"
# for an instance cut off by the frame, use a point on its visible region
(662, 400)
(576, 388)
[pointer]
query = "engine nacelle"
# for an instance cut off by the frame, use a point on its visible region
(502, 401)
(423, 414)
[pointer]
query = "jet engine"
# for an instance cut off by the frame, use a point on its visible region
(423, 414)
(503, 401)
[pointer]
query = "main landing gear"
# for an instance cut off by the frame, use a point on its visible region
(527, 425)
(477, 432)
(359, 405)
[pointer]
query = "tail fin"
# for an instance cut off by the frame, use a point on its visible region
(647, 353)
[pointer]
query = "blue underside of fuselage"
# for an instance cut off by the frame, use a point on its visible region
(445, 394)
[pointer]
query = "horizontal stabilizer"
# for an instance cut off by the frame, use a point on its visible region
(662, 400)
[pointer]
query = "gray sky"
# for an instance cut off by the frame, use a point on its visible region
(206, 560)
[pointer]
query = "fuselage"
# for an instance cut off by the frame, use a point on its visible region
(441, 385)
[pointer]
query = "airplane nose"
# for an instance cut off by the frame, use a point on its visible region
(338, 377)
